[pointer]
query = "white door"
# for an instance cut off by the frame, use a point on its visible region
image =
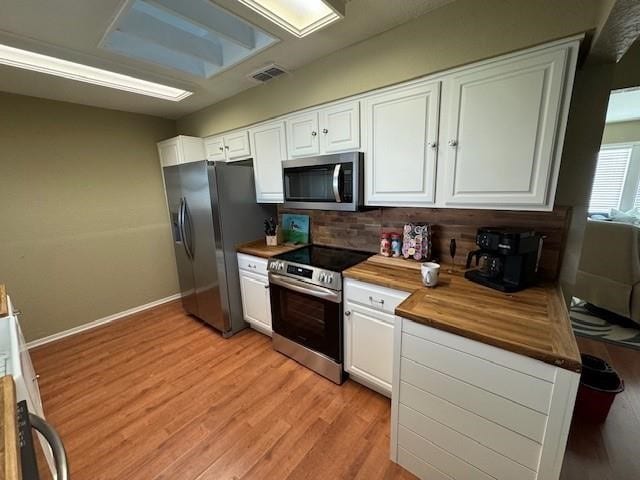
(340, 128)
(369, 345)
(402, 131)
(501, 126)
(237, 145)
(169, 153)
(214, 147)
(269, 150)
(302, 135)
(256, 303)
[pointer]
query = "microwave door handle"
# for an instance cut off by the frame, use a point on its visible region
(336, 181)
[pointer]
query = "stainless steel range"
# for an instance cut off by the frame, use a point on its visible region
(306, 306)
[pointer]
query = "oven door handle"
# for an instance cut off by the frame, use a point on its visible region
(303, 287)
(336, 180)
(55, 442)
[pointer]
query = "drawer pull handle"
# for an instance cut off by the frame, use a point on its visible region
(371, 299)
(347, 313)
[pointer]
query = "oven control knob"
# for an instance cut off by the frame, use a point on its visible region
(279, 266)
(329, 278)
(322, 277)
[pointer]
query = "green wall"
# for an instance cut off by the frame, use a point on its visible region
(85, 231)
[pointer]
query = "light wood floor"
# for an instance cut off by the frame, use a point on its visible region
(161, 396)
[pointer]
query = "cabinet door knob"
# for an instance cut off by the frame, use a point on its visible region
(226, 147)
(266, 287)
(221, 149)
(432, 144)
(313, 134)
(453, 143)
(325, 131)
(347, 313)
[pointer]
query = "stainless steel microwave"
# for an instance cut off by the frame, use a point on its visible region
(327, 182)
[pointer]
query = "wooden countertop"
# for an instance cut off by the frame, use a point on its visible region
(533, 322)
(406, 280)
(4, 304)
(9, 450)
(259, 248)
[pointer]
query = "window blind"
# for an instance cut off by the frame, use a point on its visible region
(636, 201)
(608, 182)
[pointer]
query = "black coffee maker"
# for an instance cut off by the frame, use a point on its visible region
(507, 259)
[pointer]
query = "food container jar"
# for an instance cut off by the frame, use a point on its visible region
(396, 245)
(385, 245)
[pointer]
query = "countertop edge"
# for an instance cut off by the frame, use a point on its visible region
(259, 248)
(567, 358)
(567, 363)
(353, 274)
(4, 304)
(9, 429)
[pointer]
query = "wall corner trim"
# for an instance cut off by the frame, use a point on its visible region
(100, 321)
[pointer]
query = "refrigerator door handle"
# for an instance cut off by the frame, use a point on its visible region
(183, 232)
(187, 227)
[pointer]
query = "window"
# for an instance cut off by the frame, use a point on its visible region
(615, 184)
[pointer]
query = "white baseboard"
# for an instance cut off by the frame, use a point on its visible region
(100, 321)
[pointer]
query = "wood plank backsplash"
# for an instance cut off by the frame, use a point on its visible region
(361, 230)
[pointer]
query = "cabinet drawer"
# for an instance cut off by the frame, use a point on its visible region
(252, 264)
(529, 391)
(502, 440)
(493, 407)
(496, 465)
(378, 298)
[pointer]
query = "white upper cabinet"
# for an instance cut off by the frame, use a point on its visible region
(181, 149)
(402, 133)
(215, 149)
(302, 135)
(228, 148)
(328, 130)
(237, 145)
(503, 127)
(340, 127)
(269, 150)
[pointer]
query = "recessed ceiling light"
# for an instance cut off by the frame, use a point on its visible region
(299, 17)
(16, 57)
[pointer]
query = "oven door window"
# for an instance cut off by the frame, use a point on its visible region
(307, 320)
(323, 183)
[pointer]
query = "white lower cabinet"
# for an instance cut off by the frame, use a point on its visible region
(462, 409)
(368, 333)
(254, 288)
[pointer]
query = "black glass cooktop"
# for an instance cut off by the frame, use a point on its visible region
(327, 258)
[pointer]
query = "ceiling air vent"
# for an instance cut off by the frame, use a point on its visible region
(267, 73)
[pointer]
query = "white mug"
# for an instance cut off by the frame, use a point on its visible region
(430, 272)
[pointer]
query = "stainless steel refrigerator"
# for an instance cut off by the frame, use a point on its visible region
(213, 208)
